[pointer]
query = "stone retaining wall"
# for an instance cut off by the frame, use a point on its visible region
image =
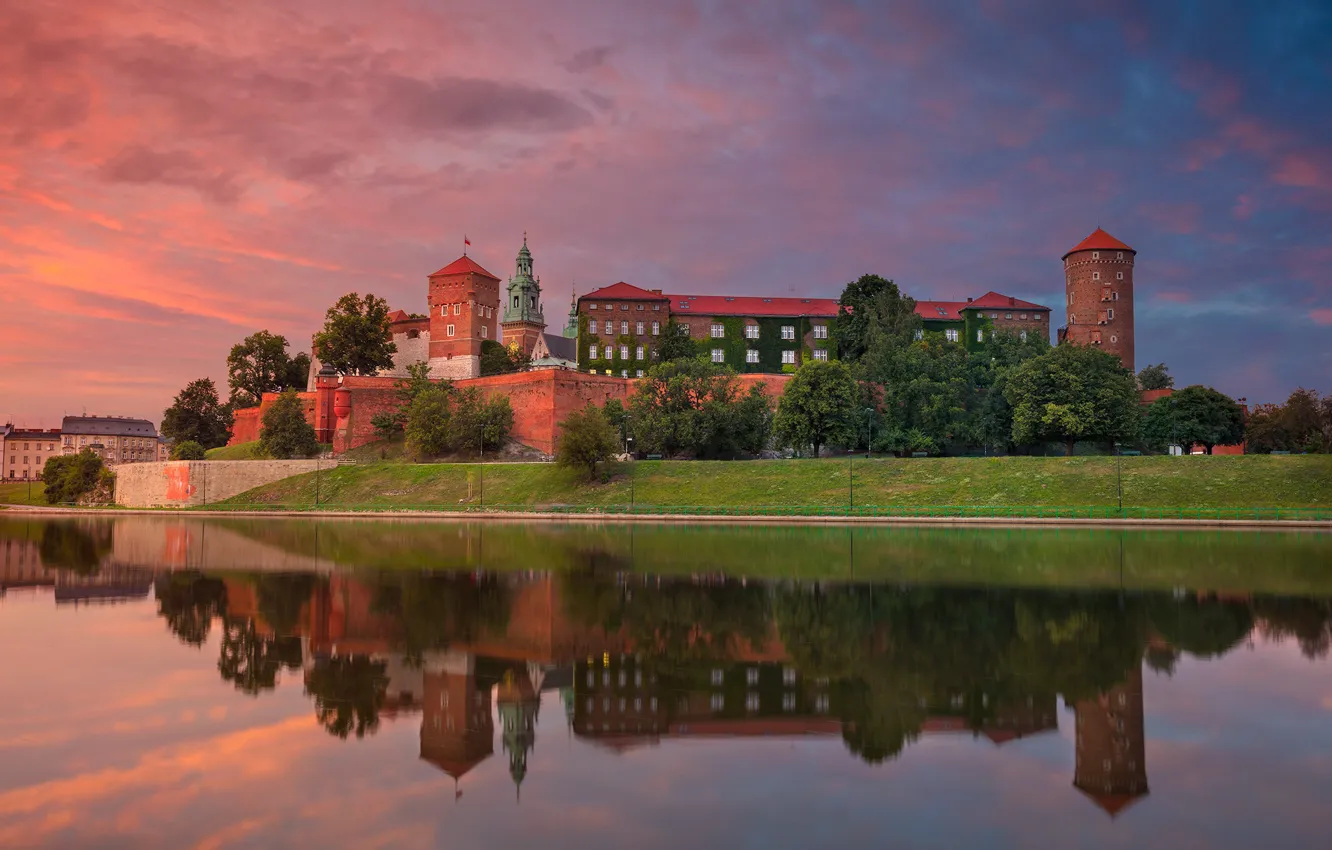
(186, 483)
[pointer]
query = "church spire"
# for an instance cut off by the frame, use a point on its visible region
(524, 297)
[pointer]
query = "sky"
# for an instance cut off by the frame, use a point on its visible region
(177, 175)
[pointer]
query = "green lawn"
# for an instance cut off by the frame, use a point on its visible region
(240, 451)
(16, 493)
(1148, 482)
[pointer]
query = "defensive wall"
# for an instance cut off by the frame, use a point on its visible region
(186, 483)
(541, 399)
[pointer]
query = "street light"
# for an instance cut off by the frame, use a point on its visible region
(481, 447)
(1119, 477)
(869, 418)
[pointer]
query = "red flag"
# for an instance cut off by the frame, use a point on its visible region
(466, 241)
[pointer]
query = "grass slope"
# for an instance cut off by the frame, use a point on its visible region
(16, 493)
(1187, 482)
(240, 451)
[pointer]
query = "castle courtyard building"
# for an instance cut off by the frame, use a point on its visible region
(116, 439)
(27, 450)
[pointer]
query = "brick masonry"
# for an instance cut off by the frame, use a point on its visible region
(1099, 300)
(186, 483)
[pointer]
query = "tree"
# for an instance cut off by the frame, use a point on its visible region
(586, 439)
(1303, 423)
(70, 478)
(428, 423)
(1195, 414)
(348, 693)
(1073, 393)
(259, 364)
(1155, 377)
(818, 407)
(676, 344)
(198, 415)
(692, 406)
(390, 423)
(497, 359)
(356, 339)
(479, 422)
(188, 450)
(872, 305)
(285, 432)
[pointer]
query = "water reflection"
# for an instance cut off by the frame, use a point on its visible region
(641, 660)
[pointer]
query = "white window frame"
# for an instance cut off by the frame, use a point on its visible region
(980, 335)
(1119, 275)
(639, 328)
(624, 327)
(718, 355)
(449, 330)
(751, 355)
(820, 331)
(640, 353)
(624, 352)
(788, 356)
(751, 331)
(485, 332)
(1110, 313)
(717, 331)
(951, 334)
(592, 352)
(820, 354)
(788, 332)
(592, 326)
(920, 333)
(656, 328)
(1096, 255)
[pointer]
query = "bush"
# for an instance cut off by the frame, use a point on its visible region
(286, 434)
(188, 450)
(71, 478)
(429, 423)
(586, 439)
(443, 419)
(691, 406)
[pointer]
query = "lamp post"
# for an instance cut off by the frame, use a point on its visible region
(628, 447)
(1119, 478)
(869, 418)
(481, 447)
(318, 459)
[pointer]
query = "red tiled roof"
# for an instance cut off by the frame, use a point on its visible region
(1099, 241)
(745, 305)
(398, 316)
(463, 265)
(622, 291)
(931, 309)
(1113, 804)
(991, 300)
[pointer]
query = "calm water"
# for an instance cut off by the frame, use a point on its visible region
(264, 684)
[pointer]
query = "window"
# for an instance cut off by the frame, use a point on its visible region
(1096, 255)
(788, 676)
(457, 309)
(624, 307)
(591, 352)
(1114, 296)
(951, 334)
(1072, 319)
(751, 355)
(639, 353)
(788, 702)
(1023, 336)
(591, 306)
(1110, 314)
(718, 331)
(718, 355)
(751, 331)
(980, 336)
(656, 328)
(656, 307)
(717, 677)
(1114, 338)
(1008, 315)
(751, 676)
(485, 332)
(684, 330)
(1119, 275)
(751, 702)
(624, 352)
(592, 326)
(718, 702)
(788, 356)
(624, 373)
(820, 354)
(820, 331)
(624, 327)
(638, 328)
(638, 373)
(1070, 297)
(1096, 275)
(1023, 316)
(920, 334)
(449, 330)
(638, 306)
(788, 331)
(1119, 255)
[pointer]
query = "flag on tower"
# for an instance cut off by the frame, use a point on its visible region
(466, 242)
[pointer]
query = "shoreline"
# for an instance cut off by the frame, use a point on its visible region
(613, 517)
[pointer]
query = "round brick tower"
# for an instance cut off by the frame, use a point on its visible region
(1098, 286)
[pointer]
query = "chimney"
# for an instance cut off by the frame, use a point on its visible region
(968, 300)
(656, 291)
(1012, 302)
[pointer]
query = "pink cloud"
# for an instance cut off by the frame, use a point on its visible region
(1321, 316)
(1174, 296)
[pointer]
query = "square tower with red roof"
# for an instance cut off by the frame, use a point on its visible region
(464, 312)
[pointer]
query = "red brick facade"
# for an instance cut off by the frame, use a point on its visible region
(1098, 278)
(464, 302)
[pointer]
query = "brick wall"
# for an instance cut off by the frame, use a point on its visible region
(248, 422)
(1097, 284)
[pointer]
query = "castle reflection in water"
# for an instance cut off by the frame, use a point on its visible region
(641, 661)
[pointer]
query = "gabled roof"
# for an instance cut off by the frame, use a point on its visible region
(1112, 804)
(746, 305)
(1098, 241)
(108, 426)
(940, 310)
(622, 291)
(563, 347)
(1004, 302)
(463, 265)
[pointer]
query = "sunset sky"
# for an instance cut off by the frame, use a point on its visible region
(177, 175)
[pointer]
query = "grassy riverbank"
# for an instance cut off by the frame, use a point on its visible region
(18, 493)
(1197, 482)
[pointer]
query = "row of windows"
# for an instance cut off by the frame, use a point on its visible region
(639, 327)
(50, 447)
(640, 353)
(485, 331)
(1073, 319)
(1096, 255)
(752, 331)
(1097, 275)
(955, 335)
(625, 307)
(485, 312)
(752, 355)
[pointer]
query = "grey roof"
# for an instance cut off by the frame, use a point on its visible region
(108, 426)
(563, 347)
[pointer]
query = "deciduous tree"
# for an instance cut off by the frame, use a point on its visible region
(676, 344)
(1155, 377)
(429, 423)
(586, 439)
(694, 407)
(1195, 414)
(868, 306)
(70, 478)
(198, 415)
(356, 339)
(818, 407)
(1073, 393)
(259, 364)
(285, 433)
(188, 450)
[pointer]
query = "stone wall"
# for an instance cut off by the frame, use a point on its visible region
(186, 483)
(249, 421)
